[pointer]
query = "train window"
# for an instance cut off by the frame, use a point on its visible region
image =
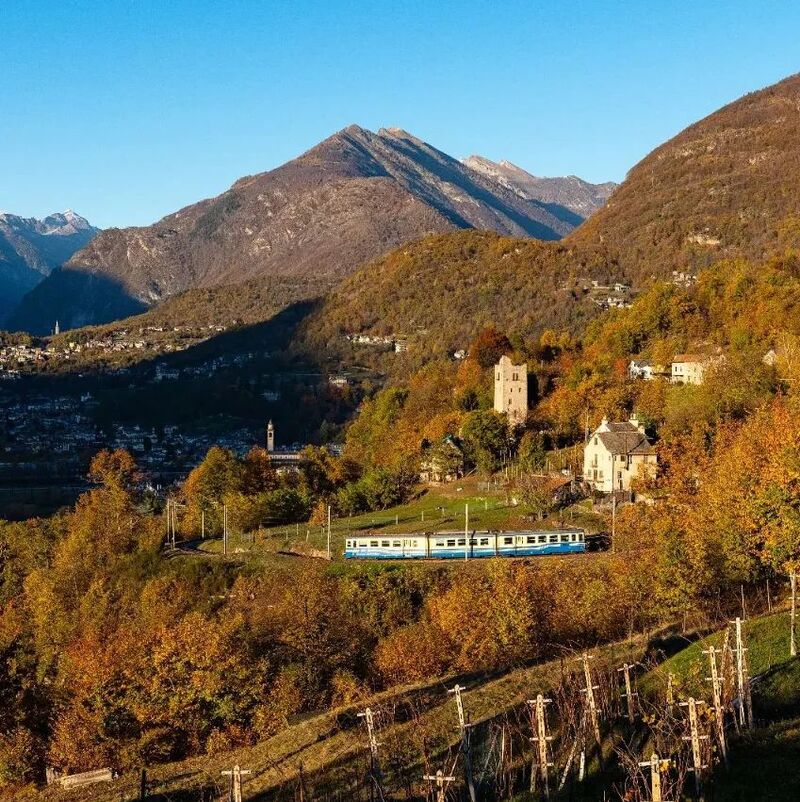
(580, 536)
(508, 540)
(484, 541)
(462, 541)
(384, 544)
(397, 544)
(451, 543)
(439, 543)
(414, 543)
(373, 543)
(473, 542)
(565, 538)
(554, 538)
(543, 538)
(531, 538)
(572, 537)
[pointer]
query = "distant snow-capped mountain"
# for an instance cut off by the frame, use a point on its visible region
(30, 249)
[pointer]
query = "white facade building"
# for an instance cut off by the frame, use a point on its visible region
(616, 453)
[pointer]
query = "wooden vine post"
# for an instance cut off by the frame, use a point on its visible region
(540, 739)
(656, 765)
(694, 738)
(793, 615)
(466, 747)
(235, 794)
(441, 783)
(719, 712)
(591, 702)
(629, 693)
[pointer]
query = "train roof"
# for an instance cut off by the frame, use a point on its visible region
(460, 532)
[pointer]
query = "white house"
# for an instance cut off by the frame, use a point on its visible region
(641, 369)
(691, 368)
(616, 453)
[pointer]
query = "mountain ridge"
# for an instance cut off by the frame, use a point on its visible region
(348, 200)
(581, 197)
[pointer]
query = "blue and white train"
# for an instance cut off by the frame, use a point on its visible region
(454, 545)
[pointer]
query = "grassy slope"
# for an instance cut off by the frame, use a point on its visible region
(433, 509)
(331, 744)
(763, 764)
(777, 677)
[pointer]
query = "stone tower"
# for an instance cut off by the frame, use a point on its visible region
(511, 390)
(270, 437)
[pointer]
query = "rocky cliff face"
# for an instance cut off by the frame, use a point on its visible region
(569, 192)
(30, 249)
(350, 199)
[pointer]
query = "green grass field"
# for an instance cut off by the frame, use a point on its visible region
(776, 690)
(431, 510)
(763, 763)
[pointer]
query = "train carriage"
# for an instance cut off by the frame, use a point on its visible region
(457, 545)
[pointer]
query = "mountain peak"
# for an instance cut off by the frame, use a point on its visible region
(311, 221)
(571, 192)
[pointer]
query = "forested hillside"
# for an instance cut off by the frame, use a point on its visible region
(437, 293)
(726, 185)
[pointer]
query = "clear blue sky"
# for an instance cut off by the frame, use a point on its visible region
(125, 111)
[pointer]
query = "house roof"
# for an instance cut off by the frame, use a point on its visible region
(698, 358)
(625, 438)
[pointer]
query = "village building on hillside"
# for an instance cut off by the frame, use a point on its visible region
(511, 390)
(642, 369)
(443, 462)
(616, 453)
(691, 368)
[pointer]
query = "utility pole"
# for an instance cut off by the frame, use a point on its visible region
(742, 680)
(716, 687)
(540, 739)
(613, 522)
(374, 764)
(655, 764)
(466, 532)
(225, 529)
(466, 748)
(235, 794)
(329, 531)
(793, 615)
(440, 781)
(590, 700)
(203, 524)
(629, 694)
(695, 738)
